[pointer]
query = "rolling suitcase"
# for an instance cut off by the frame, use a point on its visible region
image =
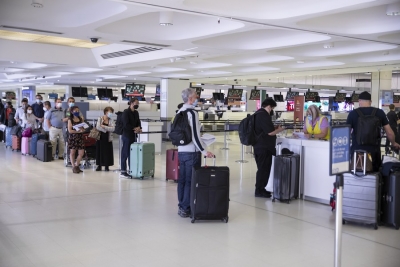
(8, 137)
(172, 165)
(25, 145)
(16, 143)
(142, 160)
(361, 195)
(390, 204)
(44, 151)
(286, 177)
(209, 195)
(34, 140)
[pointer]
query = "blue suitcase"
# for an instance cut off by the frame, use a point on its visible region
(35, 139)
(8, 137)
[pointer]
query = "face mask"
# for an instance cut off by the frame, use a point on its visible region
(309, 117)
(44, 109)
(109, 114)
(59, 105)
(71, 105)
(29, 111)
(136, 106)
(195, 103)
(38, 101)
(76, 114)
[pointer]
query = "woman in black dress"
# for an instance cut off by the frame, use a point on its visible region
(75, 139)
(104, 146)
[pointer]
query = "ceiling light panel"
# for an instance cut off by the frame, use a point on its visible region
(261, 39)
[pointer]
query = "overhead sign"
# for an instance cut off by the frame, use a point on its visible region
(135, 89)
(311, 96)
(254, 94)
(290, 95)
(339, 153)
(340, 97)
(235, 93)
(354, 98)
(396, 99)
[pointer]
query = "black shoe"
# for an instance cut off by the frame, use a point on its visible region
(98, 168)
(61, 158)
(183, 214)
(125, 175)
(263, 194)
(106, 169)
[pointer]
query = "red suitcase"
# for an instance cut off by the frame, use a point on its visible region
(172, 165)
(16, 143)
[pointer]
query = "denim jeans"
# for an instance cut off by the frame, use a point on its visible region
(187, 160)
(125, 152)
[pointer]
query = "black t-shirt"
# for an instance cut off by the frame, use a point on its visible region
(352, 120)
(392, 117)
(263, 125)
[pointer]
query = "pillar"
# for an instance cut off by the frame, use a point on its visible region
(380, 81)
(68, 92)
(171, 96)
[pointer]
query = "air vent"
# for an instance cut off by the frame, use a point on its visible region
(130, 52)
(141, 43)
(363, 80)
(28, 29)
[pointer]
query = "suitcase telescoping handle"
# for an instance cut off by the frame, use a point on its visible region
(364, 165)
(205, 160)
(278, 148)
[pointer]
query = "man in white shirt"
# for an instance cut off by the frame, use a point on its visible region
(47, 112)
(20, 112)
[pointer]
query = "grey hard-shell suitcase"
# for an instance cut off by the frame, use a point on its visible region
(44, 150)
(361, 196)
(142, 160)
(209, 194)
(286, 177)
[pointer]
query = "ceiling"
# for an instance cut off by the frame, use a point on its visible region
(210, 41)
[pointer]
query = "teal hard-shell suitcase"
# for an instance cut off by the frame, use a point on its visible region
(142, 160)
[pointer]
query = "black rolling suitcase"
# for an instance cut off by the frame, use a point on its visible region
(390, 201)
(361, 195)
(44, 151)
(286, 177)
(209, 196)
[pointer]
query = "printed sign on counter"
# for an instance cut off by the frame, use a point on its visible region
(339, 156)
(298, 108)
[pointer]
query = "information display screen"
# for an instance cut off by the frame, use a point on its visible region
(254, 94)
(235, 93)
(290, 95)
(396, 98)
(311, 96)
(354, 98)
(135, 90)
(340, 97)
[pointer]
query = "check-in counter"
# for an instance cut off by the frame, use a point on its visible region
(315, 182)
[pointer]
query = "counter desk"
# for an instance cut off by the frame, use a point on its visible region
(315, 182)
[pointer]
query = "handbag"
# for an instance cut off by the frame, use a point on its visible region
(94, 133)
(27, 132)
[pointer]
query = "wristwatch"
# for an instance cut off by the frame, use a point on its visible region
(312, 136)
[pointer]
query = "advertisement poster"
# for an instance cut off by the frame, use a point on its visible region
(298, 108)
(339, 158)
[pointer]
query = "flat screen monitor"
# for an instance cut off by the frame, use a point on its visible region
(109, 93)
(354, 98)
(79, 91)
(102, 93)
(53, 96)
(340, 97)
(254, 94)
(278, 98)
(135, 90)
(291, 95)
(157, 98)
(158, 90)
(219, 96)
(235, 93)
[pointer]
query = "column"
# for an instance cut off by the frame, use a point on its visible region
(380, 81)
(263, 95)
(171, 96)
(68, 92)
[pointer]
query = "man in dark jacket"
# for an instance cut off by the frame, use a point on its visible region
(38, 107)
(8, 109)
(393, 119)
(264, 149)
(132, 126)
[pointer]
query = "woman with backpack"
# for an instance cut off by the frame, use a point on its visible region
(104, 146)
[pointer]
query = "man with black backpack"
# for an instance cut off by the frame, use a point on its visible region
(264, 145)
(185, 133)
(366, 123)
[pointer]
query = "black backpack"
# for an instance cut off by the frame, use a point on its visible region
(119, 126)
(181, 133)
(368, 129)
(11, 120)
(247, 132)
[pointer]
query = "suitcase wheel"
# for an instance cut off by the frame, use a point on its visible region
(226, 219)
(141, 178)
(343, 222)
(376, 226)
(396, 227)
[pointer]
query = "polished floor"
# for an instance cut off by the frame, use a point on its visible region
(50, 217)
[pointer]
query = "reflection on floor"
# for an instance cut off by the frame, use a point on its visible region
(52, 217)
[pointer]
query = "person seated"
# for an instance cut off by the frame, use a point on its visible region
(315, 125)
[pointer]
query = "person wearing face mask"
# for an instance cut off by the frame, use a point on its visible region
(67, 114)
(104, 146)
(38, 107)
(315, 126)
(265, 146)
(20, 112)
(131, 127)
(8, 112)
(29, 119)
(75, 139)
(54, 121)
(47, 112)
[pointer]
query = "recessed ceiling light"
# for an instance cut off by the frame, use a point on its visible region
(193, 62)
(37, 3)
(329, 45)
(300, 62)
(193, 48)
(166, 18)
(393, 9)
(58, 80)
(134, 79)
(386, 53)
(12, 62)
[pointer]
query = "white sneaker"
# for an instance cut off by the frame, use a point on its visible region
(125, 175)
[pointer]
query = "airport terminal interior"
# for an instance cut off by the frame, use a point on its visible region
(235, 54)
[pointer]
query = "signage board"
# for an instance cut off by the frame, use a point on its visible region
(340, 97)
(311, 96)
(235, 93)
(354, 98)
(396, 99)
(135, 90)
(291, 95)
(254, 94)
(339, 152)
(298, 108)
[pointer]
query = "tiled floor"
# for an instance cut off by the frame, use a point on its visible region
(52, 217)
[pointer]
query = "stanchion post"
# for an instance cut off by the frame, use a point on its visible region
(119, 153)
(339, 221)
(242, 156)
(225, 144)
(226, 128)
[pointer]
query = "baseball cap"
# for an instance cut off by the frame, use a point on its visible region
(364, 96)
